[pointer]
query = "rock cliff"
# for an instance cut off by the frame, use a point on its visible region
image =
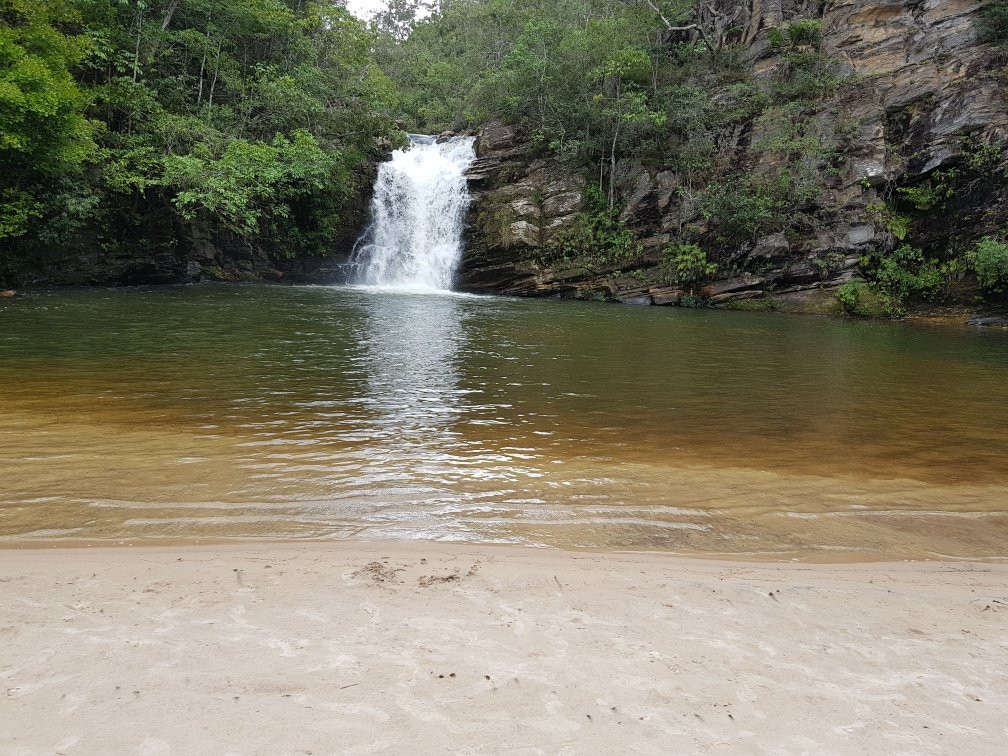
(921, 106)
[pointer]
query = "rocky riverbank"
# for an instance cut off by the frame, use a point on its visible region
(920, 111)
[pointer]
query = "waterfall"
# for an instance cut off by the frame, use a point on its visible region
(417, 214)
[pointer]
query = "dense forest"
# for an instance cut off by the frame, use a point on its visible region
(126, 125)
(130, 129)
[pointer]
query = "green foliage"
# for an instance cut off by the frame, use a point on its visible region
(902, 275)
(690, 264)
(777, 39)
(750, 305)
(747, 206)
(849, 295)
(596, 240)
(535, 64)
(684, 264)
(896, 224)
(806, 73)
(18, 209)
(828, 264)
(806, 31)
(982, 157)
(44, 134)
(121, 121)
(250, 179)
(989, 259)
(744, 210)
(807, 76)
(935, 191)
(42, 126)
(857, 298)
(692, 301)
(994, 23)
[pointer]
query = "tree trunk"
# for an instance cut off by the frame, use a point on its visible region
(612, 170)
(136, 53)
(612, 150)
(213, 84)
(202, 66)
(169, 13)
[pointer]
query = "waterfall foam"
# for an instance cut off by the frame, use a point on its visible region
(417, 214)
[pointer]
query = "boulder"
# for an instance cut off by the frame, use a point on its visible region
(495, 137)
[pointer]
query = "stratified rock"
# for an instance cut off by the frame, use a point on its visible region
(666, 295)
(920, 90)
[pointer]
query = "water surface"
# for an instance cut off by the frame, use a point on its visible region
(210, 412)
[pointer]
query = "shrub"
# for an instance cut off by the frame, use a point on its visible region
(806, 31)
(849, 296)
(884, 216)
(692, 302)
(596, 240)
(982, 157)
(745, 207)
(808, 77)
(932, 193)
(994, 23)
(750, 305)
(903, 274)
(690, 263)
(857, 298)
(803, 32)
(989, 259)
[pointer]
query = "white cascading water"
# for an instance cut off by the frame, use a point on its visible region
(417, 214)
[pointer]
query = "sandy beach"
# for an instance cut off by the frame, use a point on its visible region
(356, 647)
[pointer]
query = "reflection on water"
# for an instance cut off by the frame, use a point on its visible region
(220, 412)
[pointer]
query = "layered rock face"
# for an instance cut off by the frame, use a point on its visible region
(919, 94)
(518, 201)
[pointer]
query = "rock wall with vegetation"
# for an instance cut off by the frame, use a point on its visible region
(805, 154)
(846, 155)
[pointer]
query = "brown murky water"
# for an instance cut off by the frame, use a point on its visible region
(306, 412)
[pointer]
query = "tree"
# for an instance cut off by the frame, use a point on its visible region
(254, 119)
(43, 132)
(398, 17)
(623, 103)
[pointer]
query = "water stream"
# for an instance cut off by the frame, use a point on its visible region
(417, 214)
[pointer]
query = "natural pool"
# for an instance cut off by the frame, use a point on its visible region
(219, 412)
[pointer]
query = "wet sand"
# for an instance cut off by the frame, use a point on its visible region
(357, 647)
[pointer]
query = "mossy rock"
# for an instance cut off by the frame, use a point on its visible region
(751, 305)
(858, 299)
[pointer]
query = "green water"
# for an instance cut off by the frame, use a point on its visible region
(213, 412)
